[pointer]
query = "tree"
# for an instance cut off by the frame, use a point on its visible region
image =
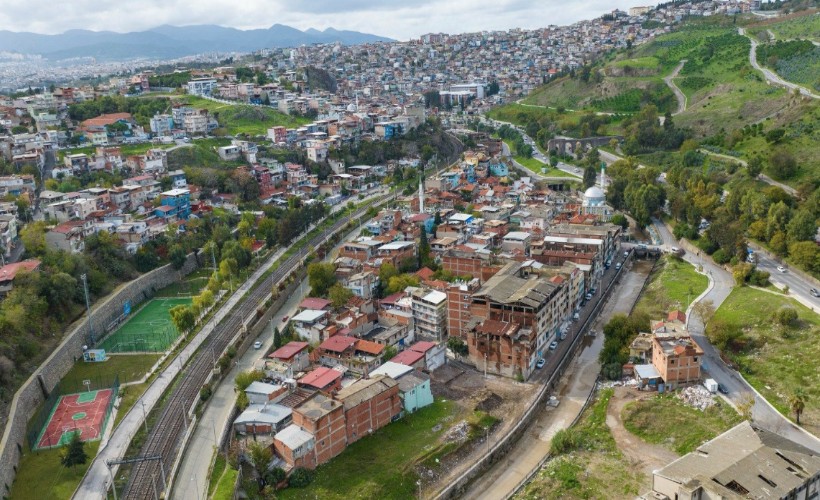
(321, 276)
(74, 452)
(33, 237)
(177, 256)
(389, 353)
(797, 402)
(183, 317)
(261, 457)
(802, 226)
(589, 176)
(620, 220)
(782, 164)
(457, 346)
(300, 477)
(339, 295)
(275, 476)
(400, 282)
(806, 255)
(704, 310)
(754, 167)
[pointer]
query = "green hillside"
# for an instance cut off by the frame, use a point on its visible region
(805, 26)
(244, 118)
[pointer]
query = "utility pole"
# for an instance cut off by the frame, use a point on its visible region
(84, 277)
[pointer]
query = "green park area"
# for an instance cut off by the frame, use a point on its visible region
(149, 330)
(777, 357)
(42, 475)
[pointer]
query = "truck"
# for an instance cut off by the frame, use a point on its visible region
(711, 385)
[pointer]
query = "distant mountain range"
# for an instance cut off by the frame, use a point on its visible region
(167, 42)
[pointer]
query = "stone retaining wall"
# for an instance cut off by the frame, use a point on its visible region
(34, 391)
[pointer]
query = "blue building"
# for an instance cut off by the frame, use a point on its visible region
(175, 203)
(499, 169)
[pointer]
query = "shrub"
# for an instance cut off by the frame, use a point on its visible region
(785, 316)
(205, 393)
(721, 257)
(566, 441)
(300, 477)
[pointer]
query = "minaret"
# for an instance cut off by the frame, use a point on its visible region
(421, 194)
(603, 177)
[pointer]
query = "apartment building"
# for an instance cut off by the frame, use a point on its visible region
(430, 314)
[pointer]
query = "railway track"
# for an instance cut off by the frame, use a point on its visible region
(165, 437)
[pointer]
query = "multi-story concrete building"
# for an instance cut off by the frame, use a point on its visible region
(369, 405)
(430, 314)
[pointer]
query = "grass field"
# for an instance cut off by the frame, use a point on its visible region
(148, 330)
(776, 361)
(665, 420)
(40, 475)
(596, 469)
(190, 286)
(243, 118)
(673, 285)
(129, 367)
(381, 465)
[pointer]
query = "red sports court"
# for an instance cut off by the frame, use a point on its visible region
(84, 413)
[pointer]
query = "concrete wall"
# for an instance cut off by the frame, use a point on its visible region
(36, 388)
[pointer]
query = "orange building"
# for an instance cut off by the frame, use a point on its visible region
(677, 359)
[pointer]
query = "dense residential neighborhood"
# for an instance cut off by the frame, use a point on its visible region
(394, 269)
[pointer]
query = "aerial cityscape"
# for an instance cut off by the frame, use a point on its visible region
(350, 250)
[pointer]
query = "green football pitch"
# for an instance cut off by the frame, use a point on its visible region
(150, 329)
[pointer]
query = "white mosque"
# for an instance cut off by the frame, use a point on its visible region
(595, 201)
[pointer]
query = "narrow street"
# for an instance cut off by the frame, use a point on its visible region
(505, 476)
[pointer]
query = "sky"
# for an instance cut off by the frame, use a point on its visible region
(402, 20)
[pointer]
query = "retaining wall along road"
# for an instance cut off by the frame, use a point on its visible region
(35, 390)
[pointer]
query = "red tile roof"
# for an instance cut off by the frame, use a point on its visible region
(392, 299)
(9, 271)
(408, 358)
(677, 316)
(315, 303)
(288, 350)
(422, 346)
(338, 343)
(321, 377)
(369, 347)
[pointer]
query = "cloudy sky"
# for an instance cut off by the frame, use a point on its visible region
(403, 19)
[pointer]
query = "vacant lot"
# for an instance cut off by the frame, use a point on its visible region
(244, 118)
(664, 419)
(595, 468)
(382, 465)
(775, 359)
(673, 285)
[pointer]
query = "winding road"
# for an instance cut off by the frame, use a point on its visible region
(771, 76)
(720, 286)
(681, 97)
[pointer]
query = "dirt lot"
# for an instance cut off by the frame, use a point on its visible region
(503, 398)
(644, 455)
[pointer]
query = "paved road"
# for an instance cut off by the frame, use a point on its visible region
(669, 80)
(770, 75)
(527, 454)
(720, 286)
(798, 284)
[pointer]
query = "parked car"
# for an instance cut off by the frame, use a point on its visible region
(257, 345)
(618, 266)
(285, 319)
(722, 389)
(589, 296)
(553, 345)
(781, 269)
(541, 362)
(814, 292)
(626, 254)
